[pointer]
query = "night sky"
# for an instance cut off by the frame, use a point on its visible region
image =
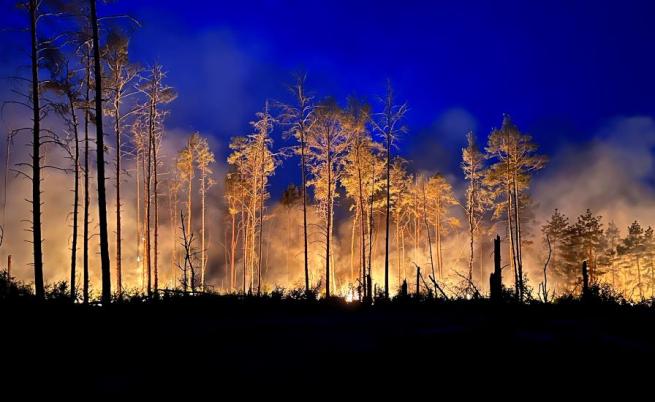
(562, 69)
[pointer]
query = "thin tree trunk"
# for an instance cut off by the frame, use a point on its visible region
(641, 293)
(36, 157)
(233, 249)
(288, 242)
(427, 229)
(329, 213)
(155, 195)
(139, 260)
(119, 274)
(352, 246)
(100, 141)
(76, 202)
(304, 207)
(148, 185)
(386, 234)
(261, 217)
(172, 207)
(87, 200)
(244, 224)
(203, 252)
(517, 228)
(191, 275)
(362, 223)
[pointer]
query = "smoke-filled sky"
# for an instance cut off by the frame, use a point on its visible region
(577, 75)
(562, 69)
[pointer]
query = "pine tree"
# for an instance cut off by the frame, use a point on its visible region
(515, 159)
(186, 174)
(477, 196)
(555, 231)
(634, 247)
(389, 126)
(582, 242)
(120, 74)
(327, 145)
(300, 118)
(254, 162)
(440, 199)
(100, 159)
(204, 157)
(156, 94)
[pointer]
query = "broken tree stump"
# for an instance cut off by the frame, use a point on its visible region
(496, 278)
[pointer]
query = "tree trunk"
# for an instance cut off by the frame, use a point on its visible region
(119, 275)
(76, 200)
(233, 250)
(172, 207)
(155, 195)
(496, 280)
(191, 276)
(362, 224)
(203, 251)
(386, 233)
(244, 224)
(304, 207)
(139, 261)
(517, 228)
(427, 229)
(100, 141)
(328, 220)
(585, 281)
(36, 157)
(352, 246)
(87, 200)
(261, 219)
(148, 186)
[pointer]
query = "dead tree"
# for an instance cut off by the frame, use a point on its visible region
(187, 244)
(36, 152)
(585, 281)
(496, 279)
(100, 162)
(544, 284)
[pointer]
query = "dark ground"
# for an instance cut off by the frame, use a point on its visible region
(230, 349)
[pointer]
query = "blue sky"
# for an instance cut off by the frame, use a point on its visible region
(562, 69)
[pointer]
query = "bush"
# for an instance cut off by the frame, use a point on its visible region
(11, 289)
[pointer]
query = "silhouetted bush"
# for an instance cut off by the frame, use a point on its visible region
(11, 290)
(58, 292)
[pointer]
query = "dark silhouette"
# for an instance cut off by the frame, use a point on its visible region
(496, 279)
(100, 161)
(36, 153)
(585, 281)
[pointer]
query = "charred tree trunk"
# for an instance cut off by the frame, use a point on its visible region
(496, 280)
(585, 281)
(102, 197)
(87, 199)
(36, 157)
(304, 208)
(76, 200)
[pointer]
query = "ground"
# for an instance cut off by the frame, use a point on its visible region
(323, 350)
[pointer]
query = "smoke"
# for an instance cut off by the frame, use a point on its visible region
(611, 174)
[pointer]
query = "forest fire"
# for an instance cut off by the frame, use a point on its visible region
(357, 219)
(326, 199)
